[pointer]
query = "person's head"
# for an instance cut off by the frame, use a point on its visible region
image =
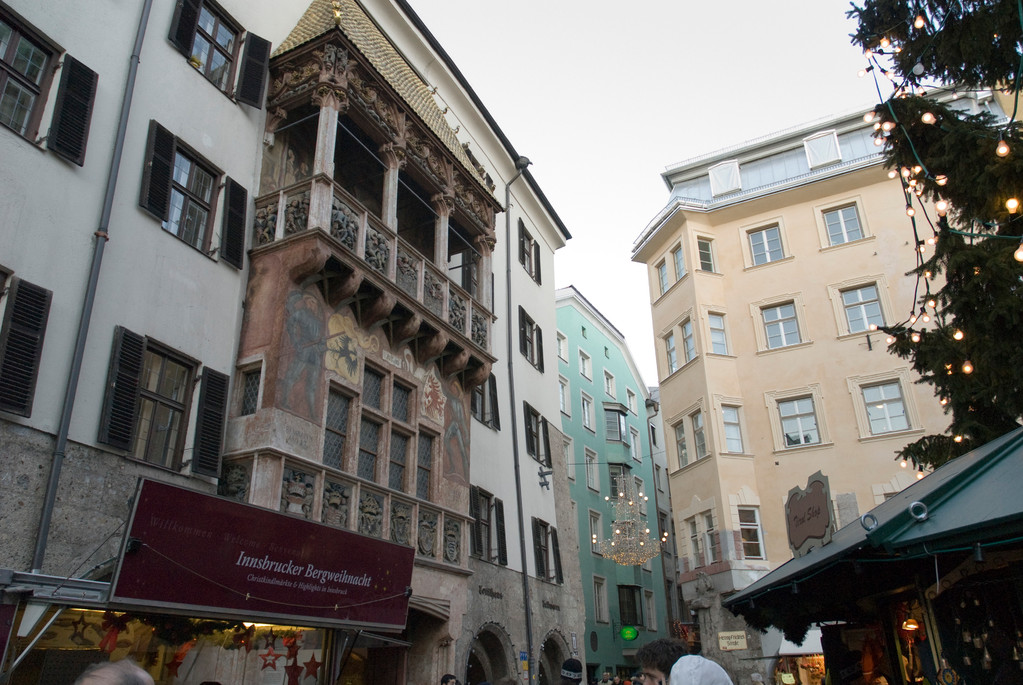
(657, 657)
(447, 679)
(122, 672)
(571, 672)
(696, 670)
(606, 676)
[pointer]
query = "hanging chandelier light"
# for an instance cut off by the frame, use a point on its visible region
(630, 543)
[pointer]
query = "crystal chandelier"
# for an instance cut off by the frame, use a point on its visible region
(630, 543)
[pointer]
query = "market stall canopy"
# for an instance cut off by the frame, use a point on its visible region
(970, 504)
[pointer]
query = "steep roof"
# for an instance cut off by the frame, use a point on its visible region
(348, 16)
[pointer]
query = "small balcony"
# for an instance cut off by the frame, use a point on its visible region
(363, 245)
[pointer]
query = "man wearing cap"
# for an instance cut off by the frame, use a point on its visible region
(697, 670)
(571, 672)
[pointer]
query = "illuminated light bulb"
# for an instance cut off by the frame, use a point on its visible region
(868, 117)
(927, 274)
(922, 248)
(1002, 149)
(889, 125)
(872, 326)
(878, 142)
(928, 118)
(893, 173)
(941, 207)
(607, 498)
(1018, 254)
(912, 183)
(902, 463)
(958, 438)
(648, 530)
(617, 531)
(1012, 204)
(957, 335)
(918, 23)
(898, 48)
(919, 475)
(861, 73)
(905, 172)
(877, 125)
(867, 53)
(944, 401)
(931, 241)
(917, 169)
(967, 367)
(885, 42)
(910, 211)
(890, 339)
(912, 320)
(932, 303)
(926, 317)
(915, 337)
(941, 179)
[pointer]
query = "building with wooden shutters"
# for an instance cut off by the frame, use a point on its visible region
(274, 394)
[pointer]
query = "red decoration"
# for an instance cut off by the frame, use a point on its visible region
(269, 659)
(179, 657)
(292, 644)
(294, 672)
(113, 624)
(312, 666)
(271, 639)
(243, 636)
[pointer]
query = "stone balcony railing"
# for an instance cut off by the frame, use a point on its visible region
(294, 209)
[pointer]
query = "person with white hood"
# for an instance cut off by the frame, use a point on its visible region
(697, 670)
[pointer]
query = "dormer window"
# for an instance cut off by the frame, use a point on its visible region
(724, 178)
(822, 149)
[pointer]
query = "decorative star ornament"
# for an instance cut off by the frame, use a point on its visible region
(269, 659)
(312, 666)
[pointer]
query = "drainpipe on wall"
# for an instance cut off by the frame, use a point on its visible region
(90, 298)
(520, 166)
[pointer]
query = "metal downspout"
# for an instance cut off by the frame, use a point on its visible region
(90, 298)
(520, 165)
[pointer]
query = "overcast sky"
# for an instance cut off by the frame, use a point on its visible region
(602, 96)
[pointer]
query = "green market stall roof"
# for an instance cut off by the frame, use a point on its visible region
(970, 504)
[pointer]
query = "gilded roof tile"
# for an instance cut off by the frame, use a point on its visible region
(352, 20)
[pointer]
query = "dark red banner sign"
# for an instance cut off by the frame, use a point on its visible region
(190, 551)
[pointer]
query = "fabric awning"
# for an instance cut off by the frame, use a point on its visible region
(969, 500)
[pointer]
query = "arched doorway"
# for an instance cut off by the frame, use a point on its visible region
(553, 652)
(489, 657)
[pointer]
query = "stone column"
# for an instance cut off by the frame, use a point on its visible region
(331, 102)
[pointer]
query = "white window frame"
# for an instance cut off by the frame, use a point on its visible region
(592, 472)
(774, 398)
(671, 353)
(569, 451)
(630, 401)
(678, 260)
(863, 308)
(609, 384)
(698, 424)
(856, 384)
(651, 610)
(748, 526)
(588, 411)
(585, 365)
(711, 542)
(661, 271)
(707, 260)
(842, 221)
(718, 334)
(760, 328)
(596, 531)
(688, 341)
(822, 149)
(641, 494)
(564, 396)
(769, 256)
(836, 291)
(731, 421)
(634, 444)
(562, 347)
(681, 443)
(600, 614)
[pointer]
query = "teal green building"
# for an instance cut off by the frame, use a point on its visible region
(606, 418)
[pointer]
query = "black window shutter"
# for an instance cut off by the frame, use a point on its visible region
(186, 19)
(522, 331)
(232, 237)
(474, 512)
(546, 444)
(556, 552)
(156, 176)
(210, 421)
(539, 349)
(73, 111)
(495, 417)
(502, 542)
(522, 243)
(120, 406)
(21, 345)
(541, 563)
(255, 67)
(536, 262)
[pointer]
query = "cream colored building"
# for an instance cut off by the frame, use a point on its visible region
(768, 269)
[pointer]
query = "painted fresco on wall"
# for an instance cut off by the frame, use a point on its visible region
(456, 436)
(302, 353)
(343, 345)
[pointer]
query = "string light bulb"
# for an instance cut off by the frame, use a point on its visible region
(920, 474)
(967, 367)
(890, 339)
(941, 207)
(1012, 204)
(941, 179)
(868, 117)
(885, 42)
(892, 173)
(1018, 254)
(889, 125)
(918, 23)
(902, 463)
(1002, 149)
(910, 211)
(928, 118)
(931, 302)
(957, 335)
(915, 337)
(958, 438)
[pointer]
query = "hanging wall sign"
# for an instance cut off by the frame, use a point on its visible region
(808, 515)
(211, 556)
